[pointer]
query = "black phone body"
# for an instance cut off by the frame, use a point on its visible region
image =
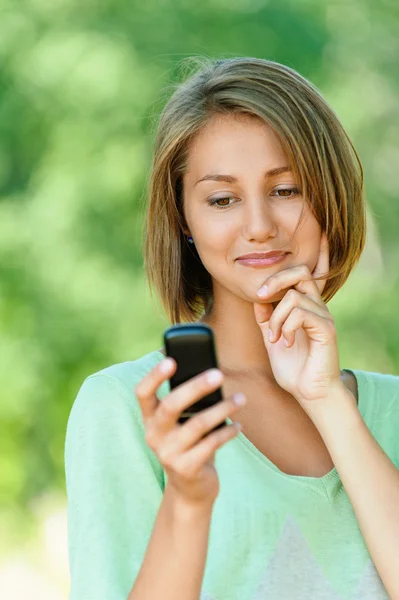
(192, 346)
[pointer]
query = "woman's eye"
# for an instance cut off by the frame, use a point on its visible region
(291, 192)
(213, 202)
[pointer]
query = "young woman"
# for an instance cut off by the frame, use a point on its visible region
(303, 501)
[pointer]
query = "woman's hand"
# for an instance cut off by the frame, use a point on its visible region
(186, 451)
(308, 366)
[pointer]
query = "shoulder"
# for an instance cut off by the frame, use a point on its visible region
(379, 403)
(105, 417)
(378, 398)
(126, 375)
(370, 381)
(376, 382)
(385, 387)
(109, 394)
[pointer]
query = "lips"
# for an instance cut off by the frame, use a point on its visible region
(259, 255)
(263, 262)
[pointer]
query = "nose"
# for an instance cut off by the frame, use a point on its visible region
(259, 220)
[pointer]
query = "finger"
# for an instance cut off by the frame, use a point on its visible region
(300, 276)
(190, 463)
(199, 426)
(262, 312)
(291, 300)
(184, 396)
(317, 327)
(145, 390)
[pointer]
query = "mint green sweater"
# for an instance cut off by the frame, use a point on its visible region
(273, 536)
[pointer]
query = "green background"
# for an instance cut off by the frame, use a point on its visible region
(81, 85)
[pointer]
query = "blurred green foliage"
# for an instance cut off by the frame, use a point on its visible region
(81, 85)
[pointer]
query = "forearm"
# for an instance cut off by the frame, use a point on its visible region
(370, 479)
(174, 563)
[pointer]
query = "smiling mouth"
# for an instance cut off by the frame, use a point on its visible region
(262, 262)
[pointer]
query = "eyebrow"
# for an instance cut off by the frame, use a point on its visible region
(232, 179)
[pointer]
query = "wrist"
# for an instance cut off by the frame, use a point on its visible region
(183, 508)
(338, 407)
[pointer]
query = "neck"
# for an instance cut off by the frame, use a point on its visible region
(239, 343)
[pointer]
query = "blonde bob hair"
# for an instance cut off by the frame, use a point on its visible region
(321, 155)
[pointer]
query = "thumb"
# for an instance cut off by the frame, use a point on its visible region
(263, 312)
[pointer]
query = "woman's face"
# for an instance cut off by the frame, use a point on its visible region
(257, 212)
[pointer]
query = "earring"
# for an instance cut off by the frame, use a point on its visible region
(190, 239)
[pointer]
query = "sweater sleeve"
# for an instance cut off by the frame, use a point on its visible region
(386, 413)
(114, 486)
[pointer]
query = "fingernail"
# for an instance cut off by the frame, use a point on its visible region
(214, 376)
(166, 365)
(263, 291)
(239, 399)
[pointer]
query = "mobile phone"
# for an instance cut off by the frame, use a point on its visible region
(192, 346)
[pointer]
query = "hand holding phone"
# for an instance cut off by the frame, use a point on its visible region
(186, 448)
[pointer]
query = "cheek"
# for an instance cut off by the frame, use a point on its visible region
(308, 241)
(212, 249)
(217, 238)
